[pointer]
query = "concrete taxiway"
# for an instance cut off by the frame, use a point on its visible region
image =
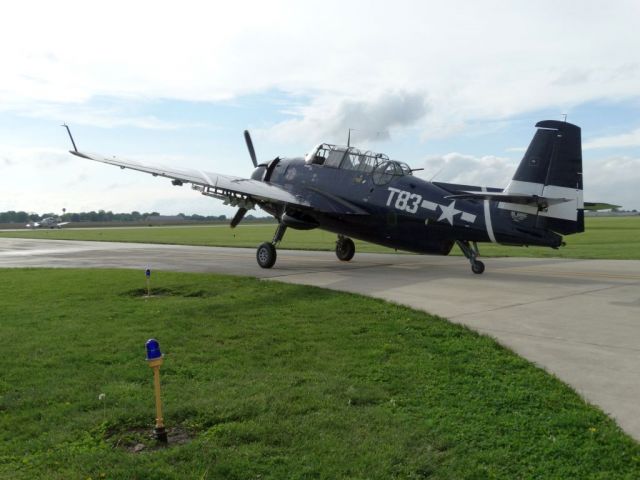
(579, 319)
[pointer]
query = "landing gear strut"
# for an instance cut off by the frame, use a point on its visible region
(266, 254)
(345, 248)
(471, 252)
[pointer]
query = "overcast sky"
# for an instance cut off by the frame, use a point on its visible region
(454, 87)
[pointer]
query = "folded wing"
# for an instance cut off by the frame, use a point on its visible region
(237, 191)
(222, 185)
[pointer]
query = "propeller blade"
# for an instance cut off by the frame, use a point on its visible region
(237, 218)
(252, 152)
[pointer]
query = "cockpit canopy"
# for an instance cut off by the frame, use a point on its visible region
(350, 158)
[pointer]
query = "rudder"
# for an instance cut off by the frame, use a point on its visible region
(552, 168)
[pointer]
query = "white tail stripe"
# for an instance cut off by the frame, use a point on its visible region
(528, 188)
(487, 219)
(566, 210)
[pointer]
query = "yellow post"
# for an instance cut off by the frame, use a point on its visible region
(154, 359)
(155, 364)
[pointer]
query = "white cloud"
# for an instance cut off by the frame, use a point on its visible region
(99, 117)
(623, 140)
(371, 119)
(429, 68)
(476, 59)
(613, 180)
(37, 157)
(454, 167)
(117, 114)
(48, 180)
(609, 179)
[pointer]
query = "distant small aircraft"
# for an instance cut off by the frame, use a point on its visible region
(48, 222)
(368, 196)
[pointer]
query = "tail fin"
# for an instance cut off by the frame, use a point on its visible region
(552, 168)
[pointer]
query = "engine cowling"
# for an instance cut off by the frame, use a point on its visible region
(259, 172)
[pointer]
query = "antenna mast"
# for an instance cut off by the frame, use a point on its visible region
(349, 137)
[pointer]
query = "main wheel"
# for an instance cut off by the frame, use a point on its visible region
(345, 249)
(266, 255)
(477, 267)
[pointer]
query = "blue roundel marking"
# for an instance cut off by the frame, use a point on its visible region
(153, 349)
(147, 272)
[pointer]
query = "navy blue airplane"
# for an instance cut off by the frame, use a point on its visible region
(367, 196)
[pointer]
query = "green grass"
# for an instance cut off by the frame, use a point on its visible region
(274, 381)
(605, 237)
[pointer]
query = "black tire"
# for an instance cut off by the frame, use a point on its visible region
(266, 255)
(345, 249)
(477, 267)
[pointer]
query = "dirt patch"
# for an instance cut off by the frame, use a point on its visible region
(154, 292)
(167, 292)
(141, 439)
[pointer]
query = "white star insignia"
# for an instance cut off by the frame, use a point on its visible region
(449, 212)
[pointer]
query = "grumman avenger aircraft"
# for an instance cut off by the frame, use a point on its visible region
(367, 196)
(48, 222)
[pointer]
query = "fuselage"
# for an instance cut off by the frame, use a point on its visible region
(404, 211)
(367, 196)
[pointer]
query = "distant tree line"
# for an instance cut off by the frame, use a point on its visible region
(103, 216)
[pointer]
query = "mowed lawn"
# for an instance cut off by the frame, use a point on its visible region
(605, 237)
(267, 380)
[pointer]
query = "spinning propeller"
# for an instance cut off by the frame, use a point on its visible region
(252, 152)
(237, 218)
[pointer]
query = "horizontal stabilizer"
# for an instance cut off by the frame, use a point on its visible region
(520, 199)
(595, 206)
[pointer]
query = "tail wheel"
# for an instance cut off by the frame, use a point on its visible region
(266, 255)
(471, 252)
(345, 249)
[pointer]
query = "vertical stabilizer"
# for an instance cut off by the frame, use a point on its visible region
(552, 168)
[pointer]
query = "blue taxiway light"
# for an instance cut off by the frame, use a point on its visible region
(153, 349)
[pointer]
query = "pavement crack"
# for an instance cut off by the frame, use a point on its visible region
(311, 272)
(558, 339)
(549, 299)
